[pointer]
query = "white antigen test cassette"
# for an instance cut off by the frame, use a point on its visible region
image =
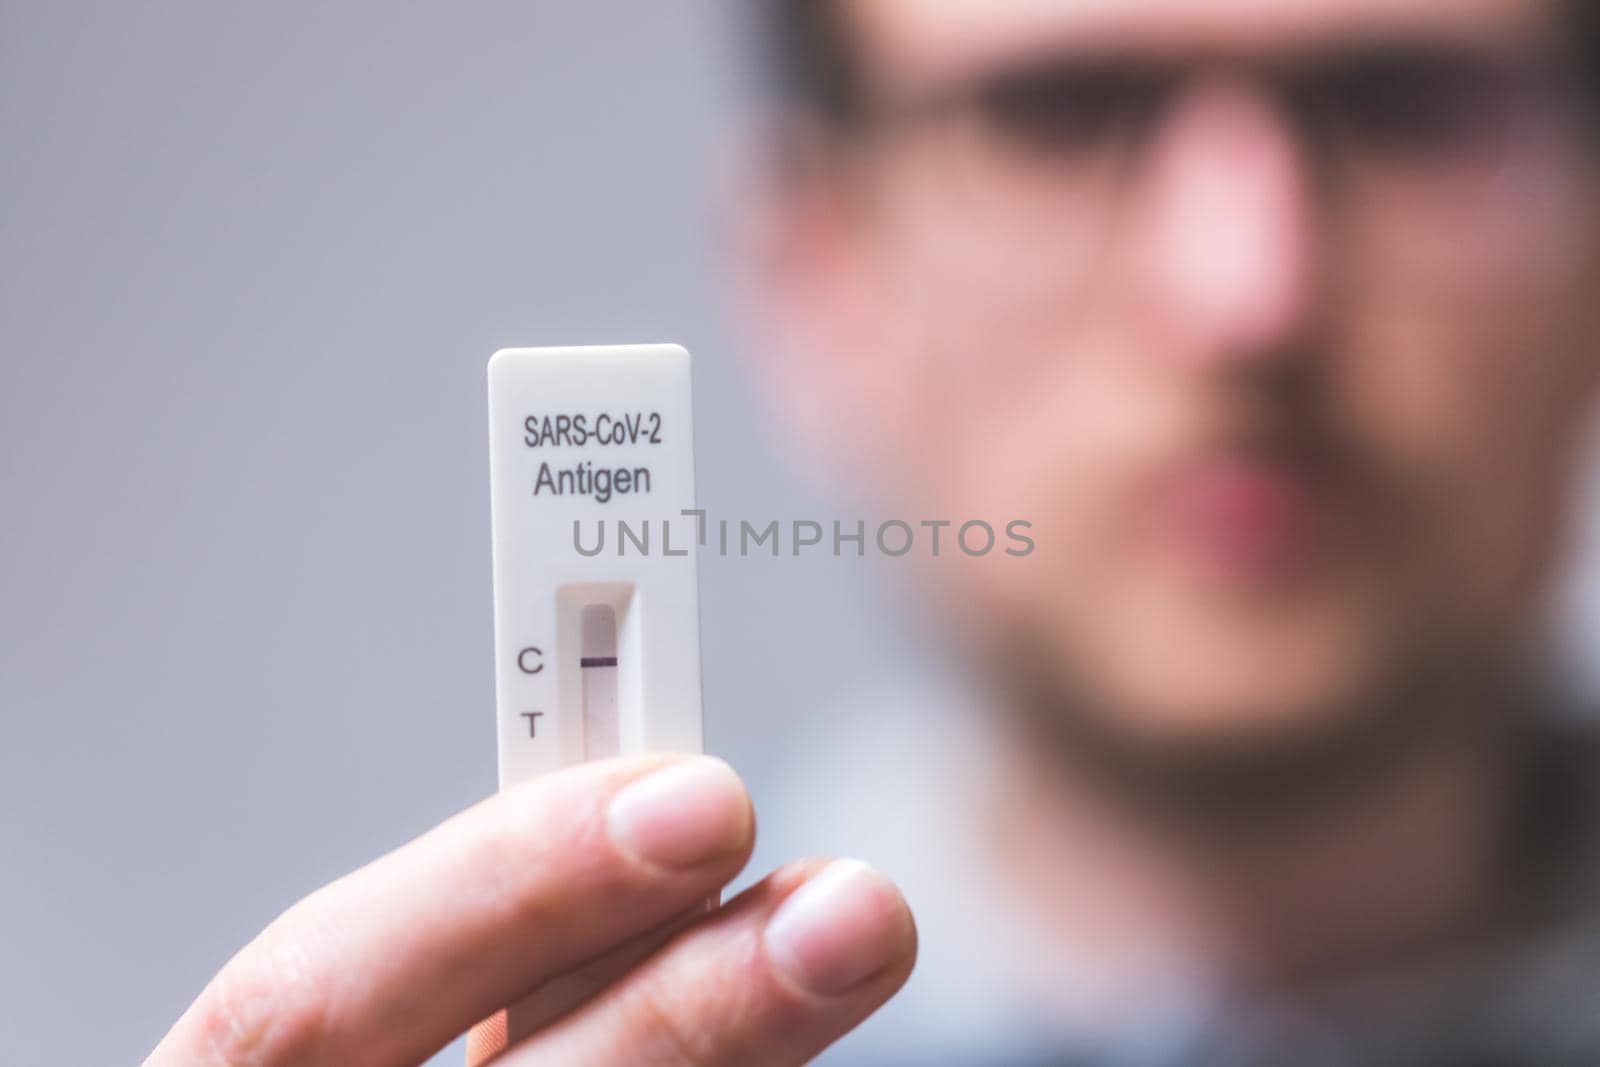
(597, 618)
(596, 603)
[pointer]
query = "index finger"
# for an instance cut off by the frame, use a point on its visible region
(392, 962)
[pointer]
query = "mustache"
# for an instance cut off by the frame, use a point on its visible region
(1280, 417)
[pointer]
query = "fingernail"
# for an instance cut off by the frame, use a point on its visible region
(683, 815)
(842, 927)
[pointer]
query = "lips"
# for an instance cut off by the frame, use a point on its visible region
(1244, 518)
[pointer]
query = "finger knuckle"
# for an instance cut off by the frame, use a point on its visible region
(671, 1040)
(265, 1007)
(674, 1023)
(533, 867)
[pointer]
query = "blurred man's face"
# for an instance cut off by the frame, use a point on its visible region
(1274, 318)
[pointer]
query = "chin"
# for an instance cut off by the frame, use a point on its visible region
(1196, 748)
(1221, 668)
(1207, 694)
(1206, 712)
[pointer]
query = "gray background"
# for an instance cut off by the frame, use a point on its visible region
(252, 260)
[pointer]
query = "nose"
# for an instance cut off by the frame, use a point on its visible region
(1227, 243)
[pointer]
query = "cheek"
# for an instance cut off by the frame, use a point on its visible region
(1018, 409)
(1055, 439)
(992, 348)
(1473, 413)
(1464, 368)
(1011, 410)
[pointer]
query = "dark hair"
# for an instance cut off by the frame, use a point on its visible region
(814, 60)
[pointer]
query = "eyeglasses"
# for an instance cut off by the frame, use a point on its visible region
(1419, 144)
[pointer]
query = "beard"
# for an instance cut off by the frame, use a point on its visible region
(1445, 689)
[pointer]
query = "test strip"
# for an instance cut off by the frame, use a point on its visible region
(597, 623)
(597, 652)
